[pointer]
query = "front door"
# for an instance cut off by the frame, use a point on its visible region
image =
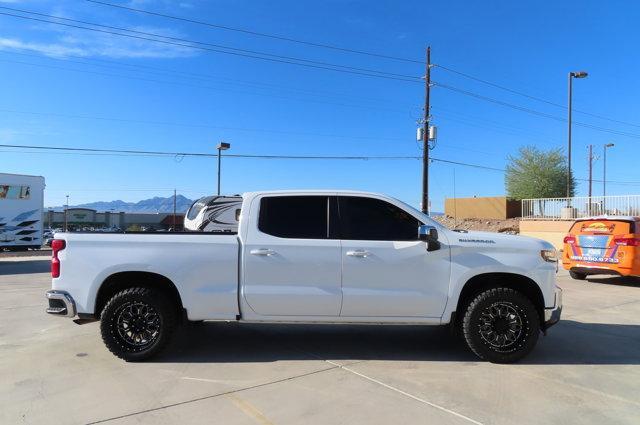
(386, 270)
(291, 266)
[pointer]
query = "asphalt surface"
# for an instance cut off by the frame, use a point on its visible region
(586, 371)
(43, 252)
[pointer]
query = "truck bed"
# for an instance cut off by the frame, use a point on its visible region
(202, 266)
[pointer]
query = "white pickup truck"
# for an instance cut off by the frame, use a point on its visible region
(312, 257)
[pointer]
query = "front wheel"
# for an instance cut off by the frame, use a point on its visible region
(501, 325)
(137, 323)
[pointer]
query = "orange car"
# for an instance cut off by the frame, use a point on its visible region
(609, 245)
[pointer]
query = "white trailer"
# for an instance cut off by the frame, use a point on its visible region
(21, 206)
(214, 214)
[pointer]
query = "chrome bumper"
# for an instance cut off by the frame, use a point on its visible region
(61, 304)
(552, 314)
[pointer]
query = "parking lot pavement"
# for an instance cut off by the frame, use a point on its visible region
(585, 371)
(44, 252)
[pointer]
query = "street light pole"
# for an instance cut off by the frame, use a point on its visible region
(572, 75)
(66, 209)
(222, 146)
(604, 175)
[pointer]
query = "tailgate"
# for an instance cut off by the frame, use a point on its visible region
(595, 240)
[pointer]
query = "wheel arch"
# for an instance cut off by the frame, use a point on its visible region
(479, 283)
(119, 281)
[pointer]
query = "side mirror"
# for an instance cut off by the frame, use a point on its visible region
(429, 234)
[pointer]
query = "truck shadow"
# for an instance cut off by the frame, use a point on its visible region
(569, 342)
(629, 281)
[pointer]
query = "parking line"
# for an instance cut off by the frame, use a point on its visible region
(249, 409)
(406, 394)
(208, 397)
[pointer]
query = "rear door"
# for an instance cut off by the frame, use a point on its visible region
(291, 265)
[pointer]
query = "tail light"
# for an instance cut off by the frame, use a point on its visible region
(57, 245)
(571, 240)
(627, 241)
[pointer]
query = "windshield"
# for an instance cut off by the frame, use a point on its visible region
(424, 218)
(197, 207)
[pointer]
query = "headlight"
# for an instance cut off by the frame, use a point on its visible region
(549, 255)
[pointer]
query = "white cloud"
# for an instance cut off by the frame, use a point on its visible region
(77, 42)
(48, 49)
(100, 46)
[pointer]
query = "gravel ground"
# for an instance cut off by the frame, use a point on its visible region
(510, 226)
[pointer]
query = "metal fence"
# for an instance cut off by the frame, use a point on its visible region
(579, 207)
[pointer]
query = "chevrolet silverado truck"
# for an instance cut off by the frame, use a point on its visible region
(310, 257)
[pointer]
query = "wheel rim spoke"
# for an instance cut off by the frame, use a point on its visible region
(138, 325)
(501, 326)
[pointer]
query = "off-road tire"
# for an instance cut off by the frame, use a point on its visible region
(520, 314)
(577, 275)
(150, 308)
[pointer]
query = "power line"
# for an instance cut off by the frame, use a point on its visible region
(331, 67)
(259, 34)
(249, 156)
(187, 84)
(272, 157)
(199, 125)
(533, 111)
(528, 96)
(153, 70)
(498, 86)
(203, 43)
(322, 65)
(216, 48)
(204, 154)
(348, 50)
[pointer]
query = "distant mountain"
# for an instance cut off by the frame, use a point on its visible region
(152, 205)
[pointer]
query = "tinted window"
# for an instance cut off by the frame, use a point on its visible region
(601, 227)
(373, 219)
(302, 217)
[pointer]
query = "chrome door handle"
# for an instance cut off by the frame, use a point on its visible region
(358, 253)
(262, 251)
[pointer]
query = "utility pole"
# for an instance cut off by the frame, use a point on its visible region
(425, 136)
(174, 210)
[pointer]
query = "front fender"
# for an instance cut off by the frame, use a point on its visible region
(469, 263)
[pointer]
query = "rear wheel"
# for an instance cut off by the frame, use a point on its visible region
(577, 275)
(501, 325)
(137, 323)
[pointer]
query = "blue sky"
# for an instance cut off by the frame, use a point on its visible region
(62, 86)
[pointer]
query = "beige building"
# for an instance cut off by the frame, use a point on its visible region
(79, 218)
(492, 207)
